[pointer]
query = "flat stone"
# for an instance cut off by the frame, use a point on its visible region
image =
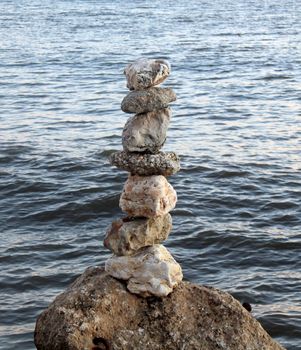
(126, 236)
(149, 100)
(146, 132)
(144, 73)
(98, 312)
(146, 164)
(147, 196)
(152, 271)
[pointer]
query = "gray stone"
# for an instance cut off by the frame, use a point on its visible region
(126, 236)
(146, 132)
(149, 100)
(147, 196)
(98, 309)
(146, 164)
(145, 73)
(152, 271)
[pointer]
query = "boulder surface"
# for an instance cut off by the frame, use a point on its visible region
(97, 312)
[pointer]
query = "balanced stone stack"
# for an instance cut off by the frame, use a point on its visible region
(147, 197)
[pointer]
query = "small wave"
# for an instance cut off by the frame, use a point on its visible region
(224, 174)
(104, 154)
(35, 282)
(279, 205)
(287, 219)
(76, 211)
(15, 149)
(274, 77)
(182, 212)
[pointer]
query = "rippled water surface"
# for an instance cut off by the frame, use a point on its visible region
(236, 126)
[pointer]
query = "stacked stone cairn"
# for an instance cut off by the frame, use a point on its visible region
(147, 197)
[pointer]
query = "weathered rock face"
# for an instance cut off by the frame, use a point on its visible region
(146, 164)
(126, 236)
(146, 132)
(151, 271)
(145, 73)
(149, 100)
(147, 196)
(97, 309)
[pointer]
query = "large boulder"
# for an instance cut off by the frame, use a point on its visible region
(97, 312)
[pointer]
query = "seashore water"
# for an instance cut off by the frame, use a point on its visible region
(235, 125)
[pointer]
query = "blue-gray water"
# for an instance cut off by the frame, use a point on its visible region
(236, 126)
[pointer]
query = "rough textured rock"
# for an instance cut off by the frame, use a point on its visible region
(146, 164)
(125, 236)
(97, 309)
(152, 271)
(145, 73)
(146, 132)
(149, 100)
(147, 196)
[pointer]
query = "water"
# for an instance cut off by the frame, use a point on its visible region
(236, 127)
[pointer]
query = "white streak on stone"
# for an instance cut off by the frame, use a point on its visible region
(144, 73)
(152, 271)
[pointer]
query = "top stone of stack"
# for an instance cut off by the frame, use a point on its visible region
(145, 73)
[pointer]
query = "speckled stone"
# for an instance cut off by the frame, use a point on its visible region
(126, 236)
(147, 196)
(145, 73)
(146, 164)
(148, 100)
(146, 132)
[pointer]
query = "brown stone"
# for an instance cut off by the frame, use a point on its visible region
(126, 236)
(146, 132)
(147, 196)
(149, 100)
(98, 309)
(146, 164)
